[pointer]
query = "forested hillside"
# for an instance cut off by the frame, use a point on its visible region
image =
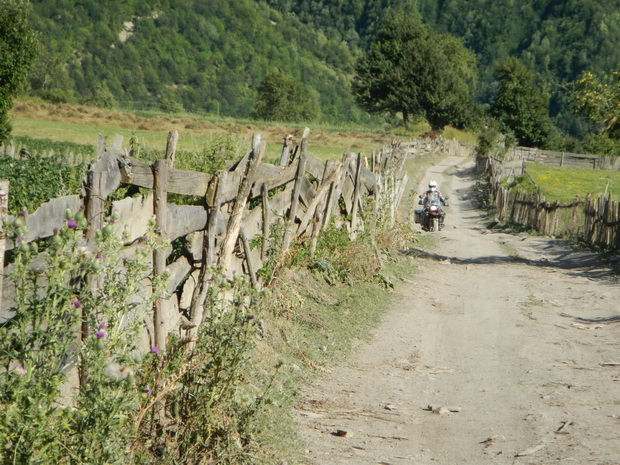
(559, 40)
(182, 54)
(212, 56)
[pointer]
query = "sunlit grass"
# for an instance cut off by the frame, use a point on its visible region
(564, 183)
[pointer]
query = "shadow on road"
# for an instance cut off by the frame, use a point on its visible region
(575, 262)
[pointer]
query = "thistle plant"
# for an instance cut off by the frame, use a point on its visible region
(74, 310)
(209, 401)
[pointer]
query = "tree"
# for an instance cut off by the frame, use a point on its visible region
(520, 106)
(599, 100)
(283, 98)
(415, 72)
(17, 55)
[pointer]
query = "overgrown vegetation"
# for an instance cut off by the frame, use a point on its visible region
(35, 180)
(226, 401)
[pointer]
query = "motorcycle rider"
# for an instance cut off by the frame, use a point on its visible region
(433, 195)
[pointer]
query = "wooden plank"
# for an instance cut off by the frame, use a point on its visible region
(275, 179)
(314, 167)
(266, 222)
(4, 208)
(95, 203)
(178, 270)
(179, 181)
(134, 214)
(48, 217)
(185, 219)
(108, 162)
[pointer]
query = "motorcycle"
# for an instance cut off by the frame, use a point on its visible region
(432, 216)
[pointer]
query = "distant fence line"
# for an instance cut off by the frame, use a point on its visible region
(595, 218)
(552, 158)
(10, 149)
(303, 193)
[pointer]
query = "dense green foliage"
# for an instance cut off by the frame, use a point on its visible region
(172, 55)
(17, 55)
(557, 40)
(35, 180)
(520, 106)
(282, 98)
(411, 70)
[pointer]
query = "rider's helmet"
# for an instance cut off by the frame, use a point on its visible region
(432, 186)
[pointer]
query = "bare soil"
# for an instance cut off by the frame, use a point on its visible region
(503, 349)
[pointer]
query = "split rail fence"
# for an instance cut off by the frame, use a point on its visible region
(596, 219)
(240, 203)
(575, 160)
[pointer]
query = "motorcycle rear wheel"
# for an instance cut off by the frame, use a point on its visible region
(435, 224)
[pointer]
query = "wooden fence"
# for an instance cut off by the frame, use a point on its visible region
(303, 193)
(595, 219)
(576, 160)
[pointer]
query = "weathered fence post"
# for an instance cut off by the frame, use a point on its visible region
(161, 171)
(234, 222)
(199, 295)
(286, 150)
(266, 222)
(4, 208)
(301, 168)
(356, 197)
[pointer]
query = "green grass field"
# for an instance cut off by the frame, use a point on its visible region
(564, 184)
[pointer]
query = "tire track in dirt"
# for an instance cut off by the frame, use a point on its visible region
(476, 361)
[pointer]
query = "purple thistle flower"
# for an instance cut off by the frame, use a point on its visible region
(77, 304)
(98, 256)
(209, 282)
(20, 370)
(234, 272)
(147, 391)
(100, 335)
(71, 224)
(155, 350)
(19, 240)
(224, 276)
(102, 326)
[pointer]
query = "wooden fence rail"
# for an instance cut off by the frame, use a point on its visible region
(548, 157)
(240, 203)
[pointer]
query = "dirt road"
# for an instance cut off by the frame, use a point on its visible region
(481, 359)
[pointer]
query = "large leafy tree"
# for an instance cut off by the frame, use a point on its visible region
(599, 100)
(283, 98)
(17, 55)
(415, 72)
(520, 105)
